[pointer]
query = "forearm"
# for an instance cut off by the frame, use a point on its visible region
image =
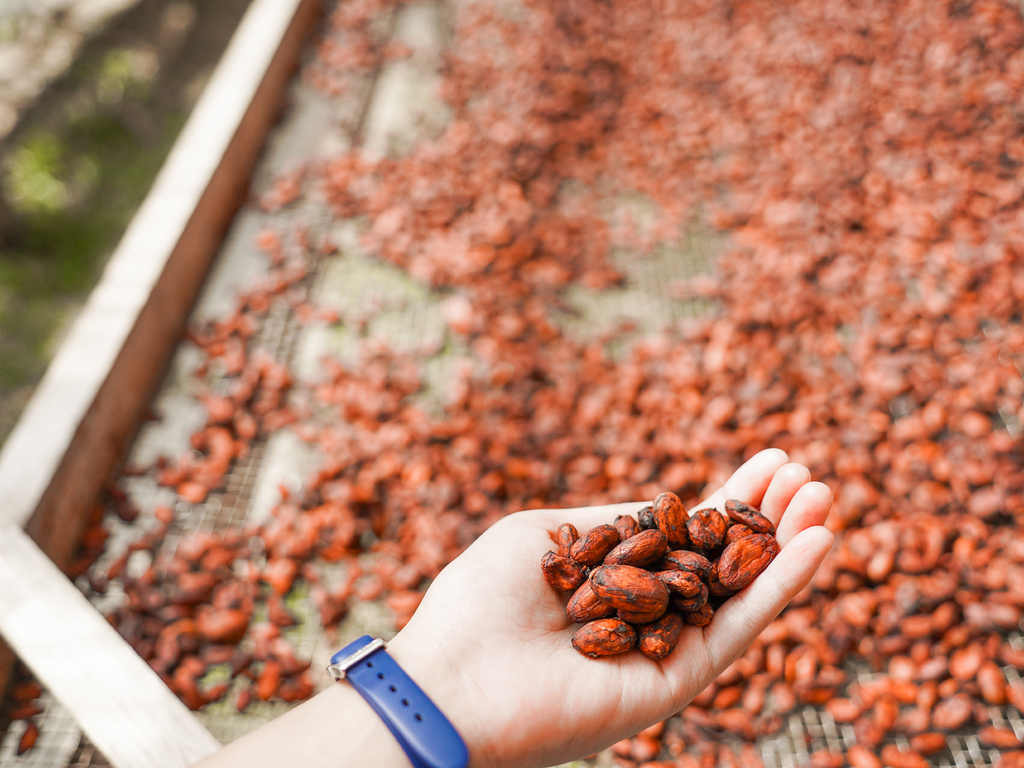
(337, 727)
(333, 729)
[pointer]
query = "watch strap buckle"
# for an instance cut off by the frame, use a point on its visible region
(340, 668)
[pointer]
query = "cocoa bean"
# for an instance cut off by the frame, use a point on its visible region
(222, 626)
(735, 532)
(604, 637)
(638, 595)
(25, 711)
(688, 604)
(243, 699)
(743, 560)
(26, 691)
(298, 687)
(928, 743)
(269, 680)
(585, 605)
(659, 638)
(749, 516)
(952, 713)
(844, 710)
(563, 574)
(684, 560)
(567, 536)
(1001, 738)
(862, 757)
(992, 683)
(28, 737)
(592, 548)
(699, 617)
(682, 583)
(825, 758)
(670, 517)
(643, 548)
(706, 529)
(627, 526)
(895, 757)
(646, 518)
(715, 585)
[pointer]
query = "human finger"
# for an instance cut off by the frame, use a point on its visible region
(784, 484)
(808, 507)
(745, 615)
(749, 482)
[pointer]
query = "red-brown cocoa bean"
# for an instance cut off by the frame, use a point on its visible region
(659, 638)
(563, 574)
(604, 637)
(641, 549)
(749, 516)
(566, 536)
(591, 548)
(586, 606)
(670, 517)
(638, 595)
(706, 529)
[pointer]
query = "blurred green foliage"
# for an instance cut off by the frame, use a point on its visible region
(73, 183)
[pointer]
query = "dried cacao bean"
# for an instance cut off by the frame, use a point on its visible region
(684, 560)
(681, 583)
(659, 638)
(715, 585)
(28, 737)
(700, 617)
(638, 595)
(670, 517)
(604, 637)
(585, 605)
(563, 574)
(706, 529)
(643, 548)
(749, 516)
(627, 526)
(735, 532)
(26, 691)
(689, 604)
(567, 536)
(592, 548)
(743, 560)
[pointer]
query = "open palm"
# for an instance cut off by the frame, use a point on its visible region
(492, 643)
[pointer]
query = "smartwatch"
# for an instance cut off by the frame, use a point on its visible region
(429, 740)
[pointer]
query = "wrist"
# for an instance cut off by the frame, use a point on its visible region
(440, 679)
(395, 684)
(354, 723)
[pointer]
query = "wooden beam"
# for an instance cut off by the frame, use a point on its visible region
(120, 703)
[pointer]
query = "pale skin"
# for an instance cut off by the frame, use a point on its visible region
(491, 645)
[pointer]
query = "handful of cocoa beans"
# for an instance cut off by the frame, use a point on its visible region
(639, 581)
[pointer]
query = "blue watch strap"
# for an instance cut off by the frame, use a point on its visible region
(429, 740)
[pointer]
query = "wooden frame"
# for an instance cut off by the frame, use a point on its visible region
(85, 412)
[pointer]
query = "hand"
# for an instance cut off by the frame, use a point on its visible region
(491, 642)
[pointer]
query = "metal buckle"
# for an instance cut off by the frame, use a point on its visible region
(338, 670)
